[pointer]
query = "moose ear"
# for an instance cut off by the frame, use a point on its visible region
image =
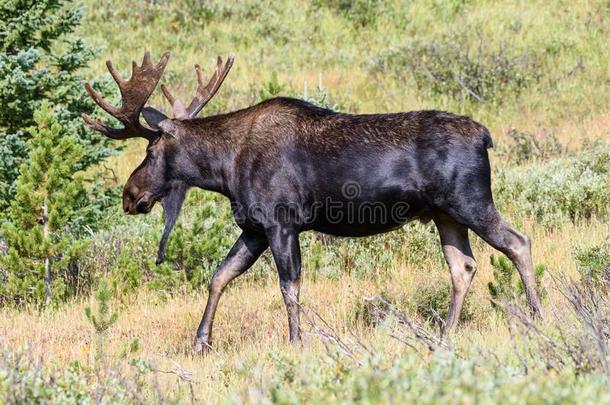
(153, 117)
(157, 120)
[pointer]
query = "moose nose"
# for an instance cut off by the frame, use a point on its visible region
(144, 204)
(128, 208)
(130, 197)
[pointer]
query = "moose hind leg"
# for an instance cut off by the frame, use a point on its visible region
(517, 247)
(461, 262)
(246, 250)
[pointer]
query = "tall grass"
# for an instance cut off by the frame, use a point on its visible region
(253, 360)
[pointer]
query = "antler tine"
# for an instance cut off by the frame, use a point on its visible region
(115, 75)
(177, 105)
(199, 75)
(118, 133)
(204, 92)
(168, 95)
(146, 60)
(106, 106)
(134, 94)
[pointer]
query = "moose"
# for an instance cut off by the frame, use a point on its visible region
(288, 166)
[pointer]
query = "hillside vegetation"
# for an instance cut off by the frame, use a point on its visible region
(538, 67)
(535, 73)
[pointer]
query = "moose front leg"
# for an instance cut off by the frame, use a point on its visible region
(284, 244)
(246, 250)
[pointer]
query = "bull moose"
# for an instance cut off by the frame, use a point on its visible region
(288, 166)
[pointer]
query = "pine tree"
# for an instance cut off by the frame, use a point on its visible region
(39, 60)
(50, 198)
(104, 318)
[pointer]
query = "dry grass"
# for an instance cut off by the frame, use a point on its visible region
(251, 322)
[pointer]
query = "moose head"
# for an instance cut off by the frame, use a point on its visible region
(154, 180)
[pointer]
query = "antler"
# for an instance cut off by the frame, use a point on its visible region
(203, 94)
(134, 94)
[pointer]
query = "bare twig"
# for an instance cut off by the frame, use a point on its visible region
(466, 89)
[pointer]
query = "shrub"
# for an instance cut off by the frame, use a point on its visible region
(559, 190)
(24, 380)
(372, 256)
(505, 285)
(361, 13)
(558, 362)
(433, 297)
(455, 66)
(524, 147)
(443, 377)
(430, 301)
(126, 252)
(594, 265)
(204, 235)
(271, 88)
(192, 14)
(374, 312)
(318, 96)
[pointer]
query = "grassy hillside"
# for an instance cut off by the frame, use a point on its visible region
(536, 73)
(363, 55)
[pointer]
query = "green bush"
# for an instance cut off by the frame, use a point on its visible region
(505, 286)
(430, 302)
(203, 236)
(444, 378)
(372, 256)
(374, 312)
(524, 147)
(23, 380)
(560, 190)
(462, 68)
(202, 239)
(594, 265)
(433, 296)
(361, 13)
(126, 252)
(318, 96)
(271, 88)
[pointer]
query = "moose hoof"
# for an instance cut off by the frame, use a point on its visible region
(202, 346)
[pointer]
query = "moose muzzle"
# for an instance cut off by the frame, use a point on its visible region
(140, 204)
